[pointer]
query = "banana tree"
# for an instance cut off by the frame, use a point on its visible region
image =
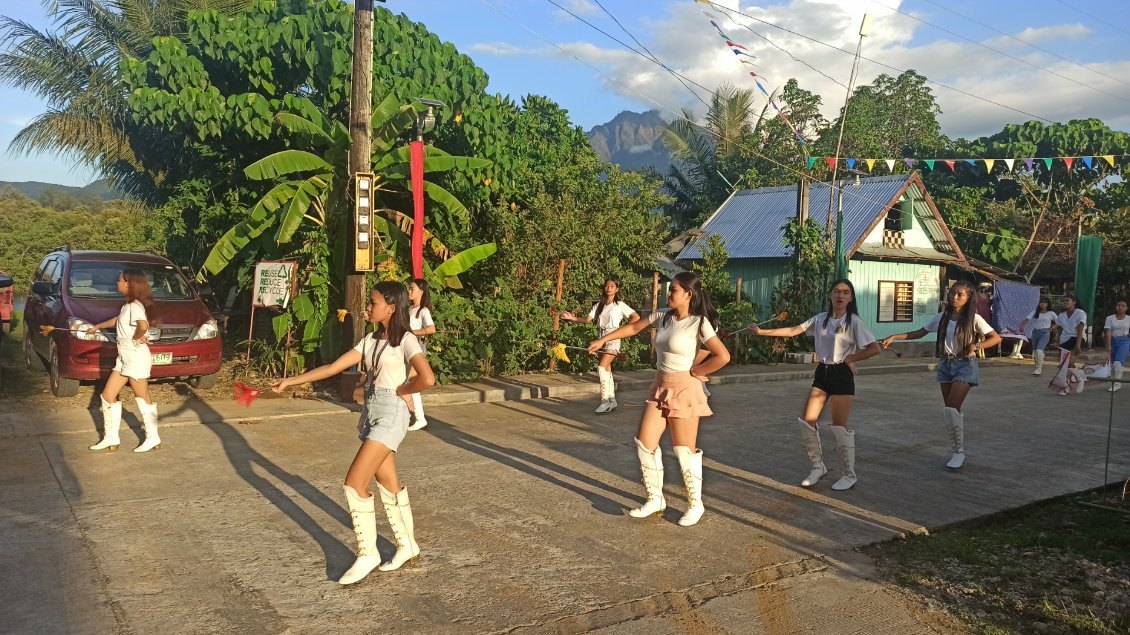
(310, 200)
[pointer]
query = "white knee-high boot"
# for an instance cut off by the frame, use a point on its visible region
(690, 463)
(363, 512)
(651, 465)
(611, 390)
(603, 376)
(111, 423)
(811, 436)
(1116, 372)
(149, 421)
(418, 412)
(1039, 357)
(845, 447)
(955, 424)
(399, 511)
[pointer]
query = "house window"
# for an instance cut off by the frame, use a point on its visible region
(896, 301)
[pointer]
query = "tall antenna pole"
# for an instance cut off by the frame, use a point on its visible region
(864, 27)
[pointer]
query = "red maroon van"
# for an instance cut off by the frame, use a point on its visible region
(76, 289)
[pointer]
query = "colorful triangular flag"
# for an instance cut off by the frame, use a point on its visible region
(989, 165)
(870, 164)
(930, 164)
(831, 161)
(1048, 162)
(1068, 161)
(972, 162)
(951, 164)
(736, 45)
(909, 163)
(1028, 163)
(1087, 161)
(1109, 159)
(811, 162)
(1008, 163)
(890, 164)
(850, 163)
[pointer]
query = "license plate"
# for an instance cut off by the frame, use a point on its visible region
(162, 359)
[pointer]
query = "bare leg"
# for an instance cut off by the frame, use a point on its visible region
(652, 425)
(140, 388)
(114, 386)
(841, 409)
(370, 457)
(955, 395)
(605, 361)
(684, 432)
(815, 405)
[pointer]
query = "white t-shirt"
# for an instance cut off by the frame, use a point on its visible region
(1118, 328)
(1069, 323)
(420, 318)
(677, 343)
(391, 361)
(837, 341)
(611, 317)
(1045, 321)
(130, 315)
(979, 325)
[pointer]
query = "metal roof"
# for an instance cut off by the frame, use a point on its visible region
(751, 222)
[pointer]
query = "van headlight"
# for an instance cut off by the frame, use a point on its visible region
(207, 331)
(78, 330)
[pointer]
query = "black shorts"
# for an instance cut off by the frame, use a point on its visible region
(1069, 345)
(834, 379)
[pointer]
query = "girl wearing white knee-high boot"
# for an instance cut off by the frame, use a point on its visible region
(676, 398)
(420, 320)
(1072, 322)
(385, 356)
(961, 332)
(1042, 319)
(133, 364)
(608, 314)
(841, 341)
(1117, 332)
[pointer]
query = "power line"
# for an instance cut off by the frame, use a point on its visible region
(653, 56)
(1095, 17)
(999, 52)
(873, 61)
(1027, 43)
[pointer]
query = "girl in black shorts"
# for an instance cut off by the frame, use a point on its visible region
(841, 341)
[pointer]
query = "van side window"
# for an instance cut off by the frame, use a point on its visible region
(42, 269)
(57, 272)
(47, 274)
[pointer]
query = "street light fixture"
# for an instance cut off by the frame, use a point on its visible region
(426, 121)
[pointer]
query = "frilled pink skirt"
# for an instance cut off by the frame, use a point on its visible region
(678, 395)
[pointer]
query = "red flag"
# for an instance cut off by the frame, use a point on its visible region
(951, 164)
(1068, 161)
(831, 161)
(244, 394)
(416, 150)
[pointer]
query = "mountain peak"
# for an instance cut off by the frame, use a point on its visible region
(633, 140)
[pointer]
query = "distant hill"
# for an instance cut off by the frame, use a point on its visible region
(633, 140)
(98, 190)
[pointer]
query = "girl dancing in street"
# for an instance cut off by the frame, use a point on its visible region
(133, 365)
(1117, 332)
(384, 356)
(676, 398)
(961, 332)
(420, 320)
(608, 314)
(1042, 319)
(841, 341)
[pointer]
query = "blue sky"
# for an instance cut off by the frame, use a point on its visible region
(1081, 68)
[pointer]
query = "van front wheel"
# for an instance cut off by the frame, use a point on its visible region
(204, 382)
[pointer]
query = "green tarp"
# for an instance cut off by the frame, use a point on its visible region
(1087, 273)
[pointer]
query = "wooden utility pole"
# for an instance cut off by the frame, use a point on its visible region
(360, 120)
(557, 297)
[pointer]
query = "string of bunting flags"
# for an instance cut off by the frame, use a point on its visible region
(952, 164)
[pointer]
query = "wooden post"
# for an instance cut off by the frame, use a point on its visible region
(654, 306)
(739, 285)
(557, 297)
(250, 332)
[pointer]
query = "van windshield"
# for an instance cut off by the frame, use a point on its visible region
(100, 280)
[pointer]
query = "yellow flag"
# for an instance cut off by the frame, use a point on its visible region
(870, 164)
(989, 165)
(1109, 159)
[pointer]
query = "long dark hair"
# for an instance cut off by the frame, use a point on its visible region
(1043, 299)
(138, 290)
(600, 303)
(966, 319)
(396, 295)
(852, 307)
(425, 296)
(700, 299)
(1075, 300)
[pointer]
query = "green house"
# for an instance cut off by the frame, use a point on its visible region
(896, 243)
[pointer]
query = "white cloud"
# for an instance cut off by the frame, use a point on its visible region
(504, 49)
(685, 40)
(579, 7)
(17, 121)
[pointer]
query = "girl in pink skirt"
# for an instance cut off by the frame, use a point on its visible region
(676, 397)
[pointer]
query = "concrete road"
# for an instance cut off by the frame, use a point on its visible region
(520, 512)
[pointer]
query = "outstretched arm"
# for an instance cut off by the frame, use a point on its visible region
(349, 359)
(787, 331)
(628, 330)
(911, 335)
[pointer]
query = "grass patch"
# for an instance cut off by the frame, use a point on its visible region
(15, 378)
(1058, 566)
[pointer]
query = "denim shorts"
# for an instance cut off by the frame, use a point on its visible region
(1040, 338)
(964, 370)
(384, 418)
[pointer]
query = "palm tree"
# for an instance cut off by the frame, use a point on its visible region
(74, 68)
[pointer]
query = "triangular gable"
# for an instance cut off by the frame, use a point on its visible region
(914, 181)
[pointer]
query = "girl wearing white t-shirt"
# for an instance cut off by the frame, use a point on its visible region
(961, 332)
(385, 357)
(1042, 319)
(133, 364)
(676, 398)
(608, 314)
(1072, 323)
(841, 341)
(422, 325)
(1117, 341)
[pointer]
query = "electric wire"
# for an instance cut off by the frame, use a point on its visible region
(999, 52)
(873, 61)
(1094, 17)
(653, 56)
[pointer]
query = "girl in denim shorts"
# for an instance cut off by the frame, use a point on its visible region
(841, 341)
(385, 356)
(1042, 319)
(961, 332)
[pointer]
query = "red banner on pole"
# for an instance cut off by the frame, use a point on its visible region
(416, 149)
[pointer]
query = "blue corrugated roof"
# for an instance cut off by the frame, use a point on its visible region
(751, 222)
